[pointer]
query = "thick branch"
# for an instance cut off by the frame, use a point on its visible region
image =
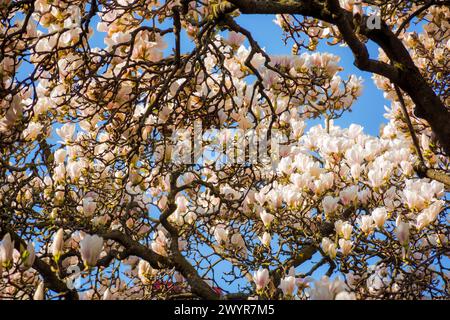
(198, 285)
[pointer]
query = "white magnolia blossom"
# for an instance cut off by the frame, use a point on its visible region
(39, 294)
(288, 285)
(345, 246)
(107, 295)
(402, 232)
(327, 289)
(90, 249)
(58, 244)
(6, 250)
(329, 247)
(266, 239)
(89, 206)
(379, 216)
(145, 271)
(33, 130)
(330, 204)
(261, 278)
(266, 218)
(221, 235)
(29, 256)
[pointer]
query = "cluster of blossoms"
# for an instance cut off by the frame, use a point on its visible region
(91, 179)
(323, 289)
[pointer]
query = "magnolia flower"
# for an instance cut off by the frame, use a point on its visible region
(285, 166)
(261, 279)
(60, 156)
(190, 218)
(298, 128)
(235, 39)
(356, 170)
(6, 251)
(145, 271)
(330, 204)
(221, 235)
(422, 221)
(328, 247)
(107, 295)
(402, 232)
(74, 169)
(355, 155)
(376, 283)
(343, 229)
(338, 226)
(366, 224)
(434, 209)
(71, 36)
(39, 294)
(287, 285)
(58, 244)
(414, 199)
(379, 216)
(181, 203)
(238, 242)
(376, 177)
(407, 168)
(346, 230)
(59, 196)
(89, 206)
(345, 246)
(348, 195)
(275, 198)
(300, 180)
(363, 196)
(266, 239)
(32, 131)
(59, 173)
(330, 145)
(324, 183)
(266, 218)
(291, 197)
(29, 256)
(66, 132)
(159, 247)
(326, 289)
(344, 295)
(437, 188)
(90, 249)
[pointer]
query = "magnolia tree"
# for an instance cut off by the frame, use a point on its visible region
(133, 167)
